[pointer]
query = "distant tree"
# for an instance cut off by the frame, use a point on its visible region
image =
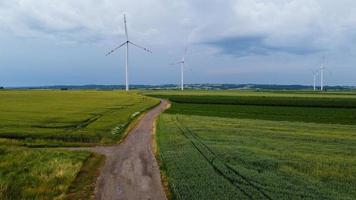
(1, 88)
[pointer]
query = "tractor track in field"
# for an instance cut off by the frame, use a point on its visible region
(81, 124)
(256, 185)
(237, 179)
(131, 170)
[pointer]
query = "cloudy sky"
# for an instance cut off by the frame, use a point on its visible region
(50, 42)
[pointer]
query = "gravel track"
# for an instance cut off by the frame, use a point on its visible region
(131, 170)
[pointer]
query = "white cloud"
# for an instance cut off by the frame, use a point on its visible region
(322, 24)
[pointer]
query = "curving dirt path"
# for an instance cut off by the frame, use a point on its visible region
(131, 170)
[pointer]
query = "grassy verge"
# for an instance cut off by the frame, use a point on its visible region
(156, 151)
(84, 184)
(37, 173)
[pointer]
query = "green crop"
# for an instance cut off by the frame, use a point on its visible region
(245, 145)
(277, 113)
(224, 158)
(329, 109)
(68, 116)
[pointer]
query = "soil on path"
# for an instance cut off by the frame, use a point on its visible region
(131, 170)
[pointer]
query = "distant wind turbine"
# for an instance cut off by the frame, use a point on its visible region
(322, 68)
(315, 74)
(127, 53)
(182, 66)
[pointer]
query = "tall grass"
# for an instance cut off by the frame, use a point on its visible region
(37, 173)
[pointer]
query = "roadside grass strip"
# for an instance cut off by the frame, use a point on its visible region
(37, 173)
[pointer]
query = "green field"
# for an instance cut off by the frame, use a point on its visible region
(220, 148)
(241, 93)
(68, 116)
(333, 108)
(48, 118)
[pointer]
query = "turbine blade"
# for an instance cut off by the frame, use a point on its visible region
(140, 47)
(112, 51)
(127, 35)
(176, 63)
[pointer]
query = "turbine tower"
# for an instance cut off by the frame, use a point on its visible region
(315, 74)
(182, 66)
(322, 68)
(126, 44)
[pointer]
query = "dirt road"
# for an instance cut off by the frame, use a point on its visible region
(131, 170)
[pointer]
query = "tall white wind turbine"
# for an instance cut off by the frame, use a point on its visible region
(127, 53)
(182, 66)
(315, 74)
(322, 68)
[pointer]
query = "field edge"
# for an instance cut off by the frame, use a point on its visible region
(156, 153)
(83, 186)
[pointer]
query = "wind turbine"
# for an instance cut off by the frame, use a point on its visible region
(322, 68)
(127, 53)
(315, 74)
(182, 66)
